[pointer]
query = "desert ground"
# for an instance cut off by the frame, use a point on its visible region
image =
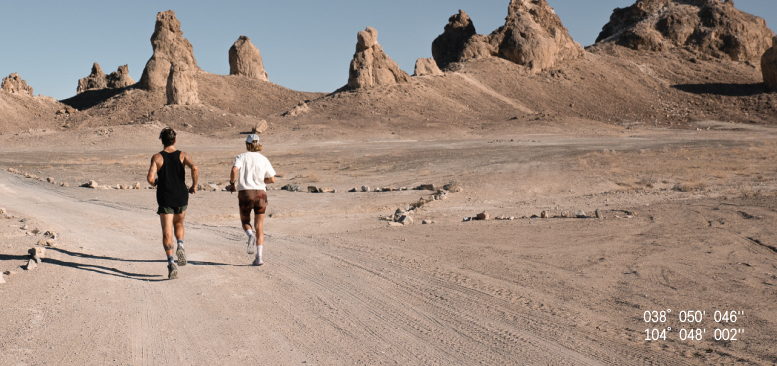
(684, 225)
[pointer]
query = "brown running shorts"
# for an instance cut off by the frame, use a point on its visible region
(252, 199)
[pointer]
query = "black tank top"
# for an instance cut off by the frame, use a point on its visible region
(171, 187)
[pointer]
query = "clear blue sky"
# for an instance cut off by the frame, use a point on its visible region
(306, 45)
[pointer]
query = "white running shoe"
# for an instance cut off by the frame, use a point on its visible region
(251, 248)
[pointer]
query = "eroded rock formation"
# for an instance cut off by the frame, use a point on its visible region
(181, 86)
(459, 42)
(769, 66)
(120, 78)
(712, 27)
(245, 60)
(426, 67)
(98, 80)
(371, 66)
(169, 48)
(16, 85)
(533, 36)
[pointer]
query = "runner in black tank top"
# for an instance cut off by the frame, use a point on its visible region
(167, 174)
(171, 185)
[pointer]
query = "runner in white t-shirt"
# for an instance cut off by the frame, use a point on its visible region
(250, 175)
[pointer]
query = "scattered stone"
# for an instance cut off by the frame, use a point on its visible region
(312, 189)
(427, 67)
(426, 222)
(31, 265)
(598, 215)
(50, 180)
(326, 190)
(352, 190)
(769, 66)
(299, 110)
(136, 186)
(37, 252)
(169, 48)
(425, 187)
(245, 60)
(544, 214)
(181, 86)
(365, 188)
(534, 217)
(2, 278)
(580, 214)
(371, 66)
(91, 184)
(213, 187)
(483, 216)
(405, 220)
(394, 224)
(2, 211)
(9, 273)
(25, 227)
(467, 218)
(260, 127)
(14, 84)
(710, 27)
(51, 243)
(292, 188)
(64, 184)
(565, 214)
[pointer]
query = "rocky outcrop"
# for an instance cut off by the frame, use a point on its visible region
(169, 48)
(16, 85)
(711, 27)
(459, 42)
(245, 60)
(181, 86)
(95, 81)
(120, 78)
(769, 66)
(534, 36)
(98, 80)
(426, 67)
(371, 66)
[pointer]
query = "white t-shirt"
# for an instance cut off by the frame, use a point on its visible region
(254, 167)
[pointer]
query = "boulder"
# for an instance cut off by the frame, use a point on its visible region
(371, 66)
(169, 48)
(181, 86)
(14, 84)
(483, 216)
(95, 81)
(260, 127)
(534, 36)
(459, 42)
(711, 27)
(769, 66)
(405, 220)
(31, 264)
(245, 60)
(426, 67)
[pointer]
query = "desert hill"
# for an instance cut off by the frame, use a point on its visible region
(658, 62)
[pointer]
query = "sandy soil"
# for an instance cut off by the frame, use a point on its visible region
(685, 227)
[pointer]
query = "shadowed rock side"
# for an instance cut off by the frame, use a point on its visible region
(371, 66)
(98, 80)
(769, 66)
(710, 27)
(181, 86)
(169, 48)
(14, 84)
(533, 36)
(426, 67)
(459, 42)
(245, 60)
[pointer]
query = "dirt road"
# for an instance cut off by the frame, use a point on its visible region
(342, 287)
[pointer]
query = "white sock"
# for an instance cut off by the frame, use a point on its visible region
(259, 251)
(249, 232)
(180, 242)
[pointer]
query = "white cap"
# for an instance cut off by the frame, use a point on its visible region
(252, 138)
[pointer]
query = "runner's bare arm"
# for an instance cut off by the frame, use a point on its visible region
(269, 180)
(152, 171)
(187, 160)
(233, 179)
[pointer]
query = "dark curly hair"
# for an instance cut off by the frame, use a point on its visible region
(167, 136)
